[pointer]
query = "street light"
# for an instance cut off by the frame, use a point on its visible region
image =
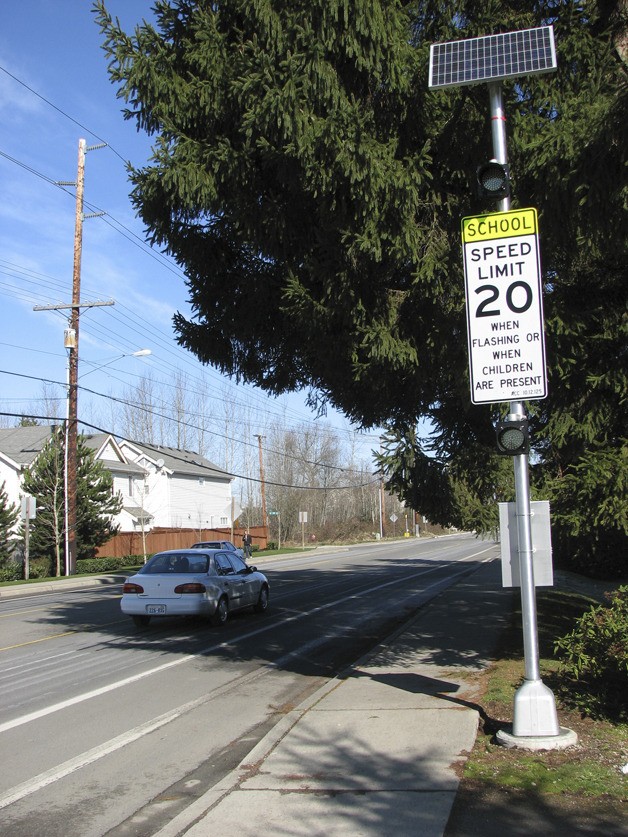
(139, 353)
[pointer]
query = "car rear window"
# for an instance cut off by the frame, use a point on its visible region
(172, 562)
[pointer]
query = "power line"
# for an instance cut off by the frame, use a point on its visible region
(30, 169)
(62, 112)
(156, 414)
(125, 317)
(144, 247)
(131, 237)
(181, 459)
(105, 216)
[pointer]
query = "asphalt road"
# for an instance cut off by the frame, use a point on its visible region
(110, 729)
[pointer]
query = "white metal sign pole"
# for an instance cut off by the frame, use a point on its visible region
(509, 374)
(534, 711)
(27, 523)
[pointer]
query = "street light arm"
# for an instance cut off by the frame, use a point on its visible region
(139, 353)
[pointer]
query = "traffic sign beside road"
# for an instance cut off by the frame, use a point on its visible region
(504, 307)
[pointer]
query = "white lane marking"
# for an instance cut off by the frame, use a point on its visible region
(30, 663)
(96, 753)
(105, 749)
(70, 766)
(118, 684)
(64, 704)
(357, 552)
(314, 643)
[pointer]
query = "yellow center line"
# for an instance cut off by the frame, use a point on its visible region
(46, 607)
(35, 641)
(30, 610)
(83, 629)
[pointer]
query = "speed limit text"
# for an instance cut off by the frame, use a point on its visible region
(505, 257)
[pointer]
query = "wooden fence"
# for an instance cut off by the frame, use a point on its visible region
(132, 543)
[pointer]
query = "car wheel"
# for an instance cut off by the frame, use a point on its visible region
(262, 602)
(222, 612)
(141, 621)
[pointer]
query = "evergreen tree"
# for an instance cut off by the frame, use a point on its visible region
(311, 187)
(8, 519)
(95, 503)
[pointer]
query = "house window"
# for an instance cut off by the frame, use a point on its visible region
(223, 521)
(130, 486)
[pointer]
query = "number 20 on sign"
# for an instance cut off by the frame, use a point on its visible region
(504, 307)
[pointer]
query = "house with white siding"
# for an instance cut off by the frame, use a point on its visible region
(19, 448)
(160, 486)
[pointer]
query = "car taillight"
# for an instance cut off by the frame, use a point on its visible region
(190, 588)
(132, 588)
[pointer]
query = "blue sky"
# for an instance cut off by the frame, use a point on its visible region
(54, 48)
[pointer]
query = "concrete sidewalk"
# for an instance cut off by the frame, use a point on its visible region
(373, 752)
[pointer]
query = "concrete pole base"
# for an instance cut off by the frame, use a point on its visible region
(534, 710)
(565, 738)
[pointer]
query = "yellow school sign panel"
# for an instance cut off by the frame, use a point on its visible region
(504, 307)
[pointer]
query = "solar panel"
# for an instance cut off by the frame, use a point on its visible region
(492, 57)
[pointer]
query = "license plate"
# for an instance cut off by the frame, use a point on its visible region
(156, 609)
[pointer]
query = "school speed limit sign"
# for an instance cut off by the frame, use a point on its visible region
(504, 306)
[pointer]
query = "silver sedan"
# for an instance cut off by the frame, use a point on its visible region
(194, 582)
(227, 546)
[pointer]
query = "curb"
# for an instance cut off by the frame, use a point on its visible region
(260, 752)
(198, 809)
(65, 585)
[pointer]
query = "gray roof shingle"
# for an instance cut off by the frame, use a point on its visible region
(24, 444)
(184, 461)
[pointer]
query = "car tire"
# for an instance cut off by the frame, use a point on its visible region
(262, 602)
(141, 621)
(222, 612)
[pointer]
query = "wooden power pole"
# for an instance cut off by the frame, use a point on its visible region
(71, 437)
(72, 344)
(263, 484)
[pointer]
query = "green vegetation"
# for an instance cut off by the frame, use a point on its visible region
(8, 519)
(95, 504)
(311, 187)
(89, 566)
(553, 775)
(11, 571)
(594, 660)
(592, 769)
(98, 566)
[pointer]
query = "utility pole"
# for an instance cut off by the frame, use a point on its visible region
(263, 484)
(72, 343)
(71, 438)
